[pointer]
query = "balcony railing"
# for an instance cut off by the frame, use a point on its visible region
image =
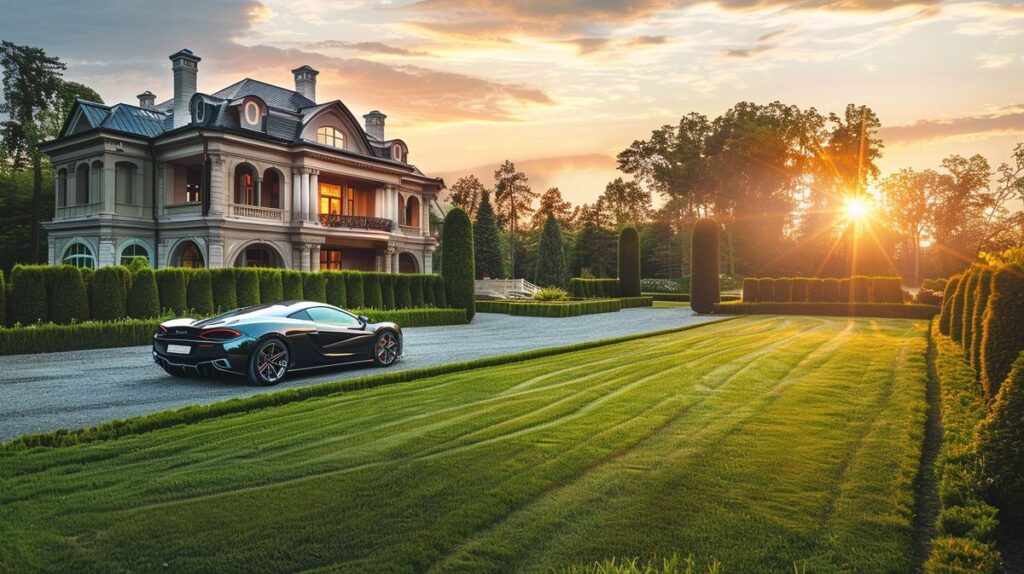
(255, 212)
(355, 221)
(194, 208)
(83, 210)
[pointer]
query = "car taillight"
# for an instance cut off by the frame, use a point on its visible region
(219, 334)
(161, 329)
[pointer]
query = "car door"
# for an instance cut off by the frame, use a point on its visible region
(340, 337)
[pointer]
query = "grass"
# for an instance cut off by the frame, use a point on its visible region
(760, 442)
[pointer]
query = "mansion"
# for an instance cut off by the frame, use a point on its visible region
(251, 175)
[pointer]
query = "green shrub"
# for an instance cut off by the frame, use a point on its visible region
(336, 289)
(498, 306)
(782, 289)
(225, 289)
(3, 300)
(883, 310)
(291, 285)
(860, 289)
(976, 521)
(372, 297)
(956, 307)
(416, 317)
(247, 286)
(271, 285)
(387, 290)
(28, 295)
(831, 290)
(981, 294)
(562, 308)
(816, 290)
(550, 270)
(765, 289)
(934, 284)
(143, 299)
(416, 290)
(947, 301)
(170, 284)
(440, 297)
(354, 289)
(845, 291)
(582, 288)
(199, 292)
(967, 308)
(1000, 441)
(704, 288)
(428, 291)
(887, 289)
(1001, 339)
(629, 262)
(457, 261)
(551, 294)
(69, 300)
(49, 338)
(634, 302)
(109, 295)
(799, 289)
(403, 291)
(951, 555)
(750, 290)
(314, 287)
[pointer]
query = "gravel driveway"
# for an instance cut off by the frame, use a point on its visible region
(45, 392)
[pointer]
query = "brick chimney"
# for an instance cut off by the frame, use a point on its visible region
(147, 100)
(375, 124)
(185, 65)
(305, 81)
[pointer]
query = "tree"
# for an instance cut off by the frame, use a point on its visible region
(31, 85)
(594, 250)
(486, 241)
(465, 194)
(625, 202)
(550, 255)
(958, 219)
(908, 198)
(457, 269)
(704, 289)
(514, 199)
(551, 201)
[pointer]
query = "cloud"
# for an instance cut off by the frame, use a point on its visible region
(592, 45)
(995, 60)
(1009, 119)
(543, 172)
(366, 47)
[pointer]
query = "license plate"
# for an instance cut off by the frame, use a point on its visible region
(179, 349)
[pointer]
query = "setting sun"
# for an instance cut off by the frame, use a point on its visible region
(857, 208)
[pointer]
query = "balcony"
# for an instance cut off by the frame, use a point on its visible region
(192, 208)
(76, 211)
(254, 212)
(355, 222)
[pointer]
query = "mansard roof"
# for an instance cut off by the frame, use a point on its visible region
(122, 118)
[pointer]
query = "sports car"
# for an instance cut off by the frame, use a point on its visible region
(266, 342)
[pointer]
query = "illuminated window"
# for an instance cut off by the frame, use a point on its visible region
(330, 259)
(191, 256)
(244, 186)
(252, 112)
(132, 251)
(79, 255)
(330, 199)
(194, 183)
(330, 136)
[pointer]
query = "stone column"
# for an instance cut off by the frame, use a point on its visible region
(215, 249)
(304, 211)
(314, 197)
(394, 262)
(314, 258)
(51, 251)
(106, 186)
(296, 191)
(218, 185)
(105, 255)
(424, 217)
(389, 259)
(258, 192)
(395, 217)
(428, 260)
(380, 202)
(304, 258)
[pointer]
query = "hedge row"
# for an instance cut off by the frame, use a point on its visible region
(633, 302)
(966, 524)
(551, 308)
(48, 338)
(857, 289)
(65, 295)
(684, 297)
(593, 288)
(882, 310)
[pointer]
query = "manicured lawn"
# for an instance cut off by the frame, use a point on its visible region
(761, 442)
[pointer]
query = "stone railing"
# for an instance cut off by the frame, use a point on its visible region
(505, 286)
(194, 208)
(256, 212)
(83, 210)
(355, 222)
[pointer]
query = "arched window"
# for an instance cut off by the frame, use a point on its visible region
(62, 188)
(407, 263)
(330, 136)
(245, 185)
(79, 255)
(124, 182)
(257, 257)
(191, 256)
(396, 152)
(270, 189)
(133, 250)
(82, 184)
(412, 212)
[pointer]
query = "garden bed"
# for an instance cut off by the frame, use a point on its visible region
(882, 310)
(552, 309)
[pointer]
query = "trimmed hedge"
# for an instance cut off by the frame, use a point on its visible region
(887, 289)
(966, 524)
(845, 292)
(372, 297)
(1001, 339)
(225, 289)
(69, 300)
(947, 301)
(860, 289)
(387, 290)
(336, 289)
(750, 292)
(440, 295)
(883, 310)
(816, 290)
(981, 295)
(199, 292)
(554, 309)
(1000, 439)
(403, 292)
(143, 298)
(354, 289)
(170, 284)
(704, 287)
(765, 290)
(291, 285)
(457, 261)
(629, 262)
(416, 290)
(967, 309)
(799, 286)
(314, 287)
(782, 290)
(28, 295)
(247, 282)
(831, 290)
(3, 299)
(416, 317)
(634, 302)
(109, 294)
(271, 285)
(581, 288)
(956, 307)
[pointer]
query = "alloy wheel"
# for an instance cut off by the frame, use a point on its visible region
(387, 349)
(272, 361)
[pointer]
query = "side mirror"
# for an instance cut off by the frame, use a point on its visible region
(364, 319)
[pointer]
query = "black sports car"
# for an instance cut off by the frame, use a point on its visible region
(265, 342)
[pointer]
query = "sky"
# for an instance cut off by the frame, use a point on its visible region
(561, 86)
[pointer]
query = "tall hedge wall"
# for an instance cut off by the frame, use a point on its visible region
(416, 290)
(314, 287)
(967, 309)
(387, 290)
(199, 292)
(403, 291)
(457, 265)
(28, 295)
(1001, 340)
(271, 285)
(143, 298)
(956, 308)
(782, 290)
(704, 287)
(247, 287)
(225, 289)
(170, 284)
(336, 289)
(354, 289)
(765, 290)
(981, 295)
(291, 285)
(3, 300)
(831, 290)
(629, 262)
(750, 294)
(69, 300)
(373, 298)
(947, 301)
(815, 290)
(800, 286)
(108, 294)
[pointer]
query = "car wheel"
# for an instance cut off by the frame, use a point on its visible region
(385, 350)
(268, 363)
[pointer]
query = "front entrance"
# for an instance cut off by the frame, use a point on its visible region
(335, 258)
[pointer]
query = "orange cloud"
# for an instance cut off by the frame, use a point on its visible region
(1009, 119)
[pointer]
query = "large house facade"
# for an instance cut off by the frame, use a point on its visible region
(251, 175)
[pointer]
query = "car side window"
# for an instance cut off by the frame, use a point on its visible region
(328, 316)
(301, 316)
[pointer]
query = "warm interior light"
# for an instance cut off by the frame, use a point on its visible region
(857, 208)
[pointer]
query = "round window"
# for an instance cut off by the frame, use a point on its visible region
(252, 112)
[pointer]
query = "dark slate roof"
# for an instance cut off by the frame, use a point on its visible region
(275, 96)
(93, 112)
(135, 120)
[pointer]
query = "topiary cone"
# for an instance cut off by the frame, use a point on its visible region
(704, 289)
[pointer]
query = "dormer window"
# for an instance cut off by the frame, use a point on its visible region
(330, 136)
(396, 152)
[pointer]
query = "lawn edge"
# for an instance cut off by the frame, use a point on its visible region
(197, 413)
